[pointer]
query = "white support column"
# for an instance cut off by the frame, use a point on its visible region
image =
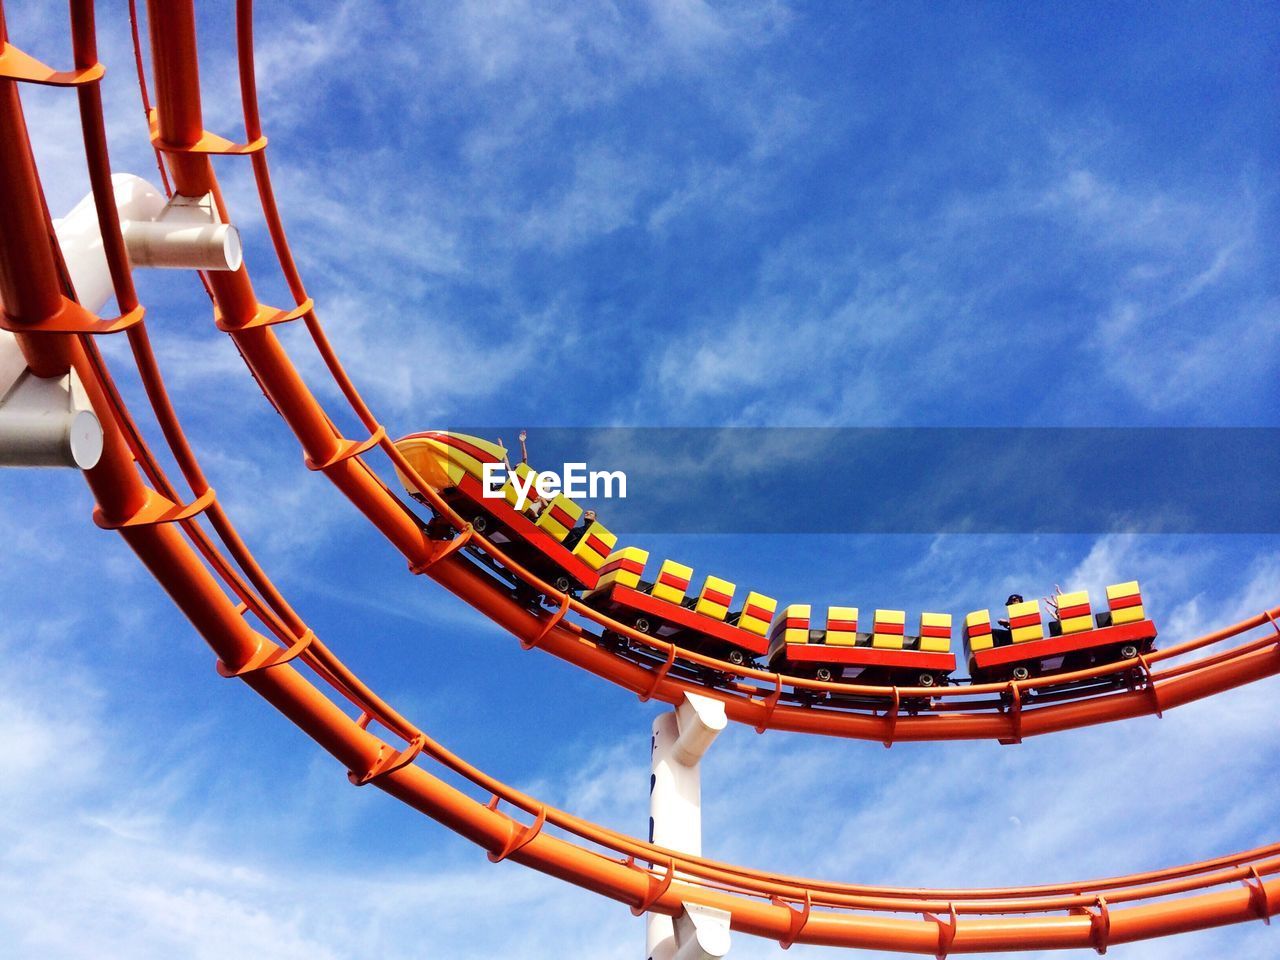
(680, 738)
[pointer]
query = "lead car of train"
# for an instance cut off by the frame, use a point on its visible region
(748, 628)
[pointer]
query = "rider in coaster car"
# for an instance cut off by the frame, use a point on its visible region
(1003, 633)
(536, 503)
(573, 536)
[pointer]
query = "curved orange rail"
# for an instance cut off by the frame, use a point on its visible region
(216, 582)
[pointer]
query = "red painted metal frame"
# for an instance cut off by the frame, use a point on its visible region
(930, 660)
(619, 598)
(533, 536)
(191, 565)
(1140, 632)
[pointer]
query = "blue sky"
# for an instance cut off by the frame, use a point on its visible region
(677, 214)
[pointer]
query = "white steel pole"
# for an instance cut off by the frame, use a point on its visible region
(680, 738)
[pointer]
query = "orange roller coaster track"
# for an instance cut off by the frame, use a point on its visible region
(190, 546)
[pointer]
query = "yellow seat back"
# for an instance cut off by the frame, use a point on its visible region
(1024, 621)
(977, 630)
(890, 625)
(842, 626)
(623, 567)
(673, 581)
(558, 517)
(1125, 602)
(1075, 615)
(593, 549)
(715, 598)
(757, 613)
(792, 626)
(935, 632)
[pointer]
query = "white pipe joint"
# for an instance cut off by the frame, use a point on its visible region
(180, 233)
(44, 422)
(702, 933)
(178, 245)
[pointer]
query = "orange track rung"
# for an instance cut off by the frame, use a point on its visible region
(520, 835)
(1015, 715)
(268, 655)
(659, 675)
(798, 919)
(16, 65)
(654, 893)
(771, 703)
(1154, 690)
(1259, 898)
(209, 143)
(946, 931)
(264, 316)
(891, 718)
(389, 761)
(156, 509)
(550, 625)
(350, 448)
(1100, 925)
(451, 546)
(73, 318)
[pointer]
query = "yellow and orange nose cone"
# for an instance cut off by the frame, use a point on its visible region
(442, 459)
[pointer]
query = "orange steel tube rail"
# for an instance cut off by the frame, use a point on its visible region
(216, 582)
